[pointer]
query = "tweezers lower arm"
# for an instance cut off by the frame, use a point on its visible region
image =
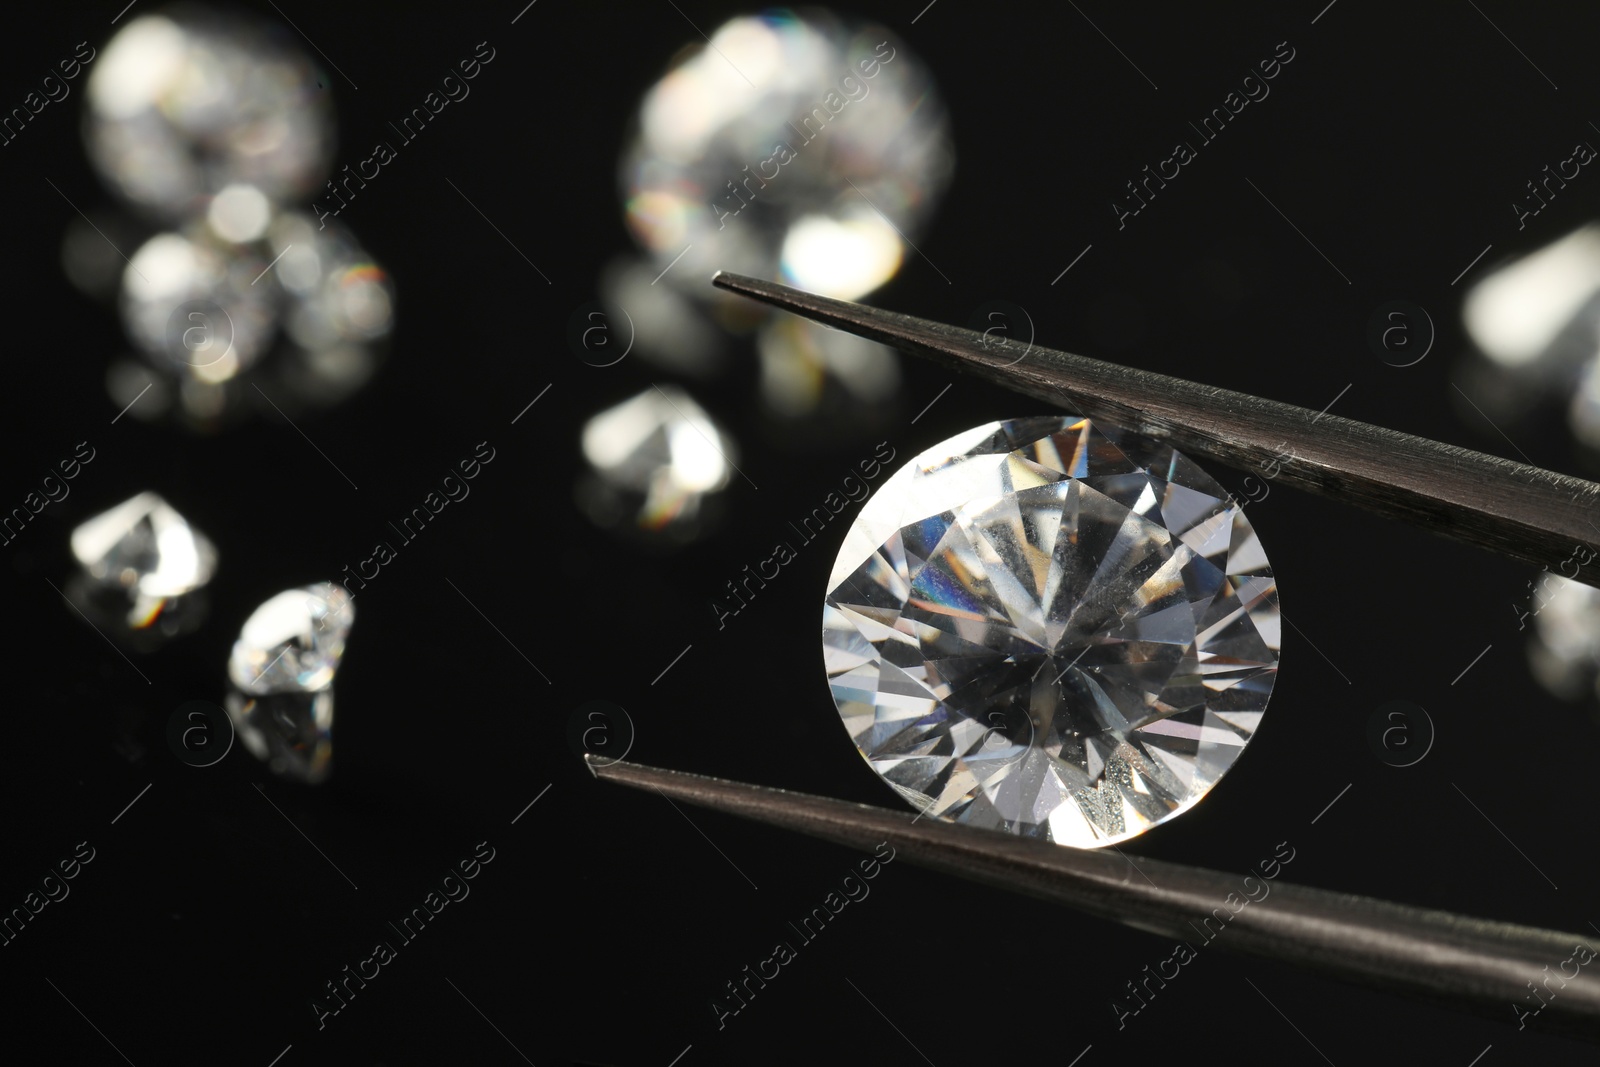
(1499, 970)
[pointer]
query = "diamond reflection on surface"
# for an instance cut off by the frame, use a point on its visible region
(293, 643)
(292, 733)
(135, 621)
(1052, 628)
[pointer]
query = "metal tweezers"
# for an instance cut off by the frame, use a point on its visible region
(1498, 970)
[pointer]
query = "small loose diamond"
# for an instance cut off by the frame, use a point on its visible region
(1564, 651)
(1053, 628)
(188, 305)
(655, 461)
(143, 567)
(180, 106)
(803, 147)
(293, 642)
(144, 546)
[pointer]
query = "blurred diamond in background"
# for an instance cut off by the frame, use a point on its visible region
(293, 642)
(1535, 325)
(183, 105)
(656, 463)
(144, 546)
(143, 566)
(188, 304)
(795, 148)
(214, 128)
(1565, 648)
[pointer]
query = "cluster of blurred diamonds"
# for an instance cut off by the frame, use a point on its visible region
(794, 147)
(1535, 327)
(215, 132)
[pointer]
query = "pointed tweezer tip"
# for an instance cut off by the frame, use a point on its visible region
(919, 337)
(744, 285)
(811, 305)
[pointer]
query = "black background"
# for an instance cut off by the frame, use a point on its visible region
(1396, 140)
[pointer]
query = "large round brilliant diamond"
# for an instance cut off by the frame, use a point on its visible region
(1051, 628)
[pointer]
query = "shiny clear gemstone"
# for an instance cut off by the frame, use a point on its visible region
(181, 106)
(1052, 628)
(293, 642)
(133, 620)
(337, 293)
(144, 546)
(217, 126)
(303, 306)
(654, 460)
(189, 303)
(772, 149)
(1535, 325)
(1520, 315)
(805, 149)
(1564, 651)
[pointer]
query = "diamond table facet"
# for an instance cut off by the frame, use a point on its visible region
(1052, 628)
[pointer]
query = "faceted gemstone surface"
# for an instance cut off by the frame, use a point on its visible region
(293, 642)
(1052, 628)
(144, 546)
